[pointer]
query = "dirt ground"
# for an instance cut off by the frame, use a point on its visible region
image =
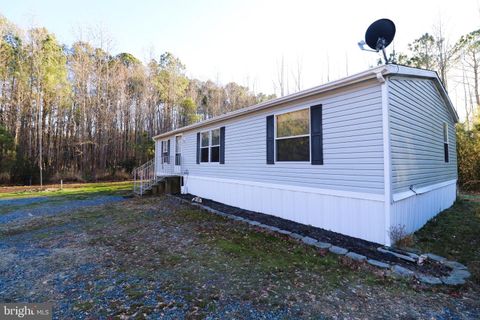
(155, 257)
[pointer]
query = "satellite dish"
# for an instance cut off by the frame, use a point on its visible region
(379, 35)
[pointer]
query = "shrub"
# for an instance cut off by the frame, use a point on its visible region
(400, 237)
(468, 157)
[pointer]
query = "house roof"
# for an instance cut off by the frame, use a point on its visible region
(376, 72)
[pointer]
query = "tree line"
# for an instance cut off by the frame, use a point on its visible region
(79, 112)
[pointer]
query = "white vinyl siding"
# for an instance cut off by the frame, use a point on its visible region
(352, 142)
(417, 118)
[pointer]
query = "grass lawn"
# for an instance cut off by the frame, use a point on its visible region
(85, 189)
(455, 234)
(155, 257)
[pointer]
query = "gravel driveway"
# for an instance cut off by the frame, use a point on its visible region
(151, 258)
(45, 206)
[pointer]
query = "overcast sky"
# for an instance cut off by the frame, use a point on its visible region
(244, 41)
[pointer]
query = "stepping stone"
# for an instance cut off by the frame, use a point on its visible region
(413, 255)
(453, 281)
(309, 241)
(455, 265)
(398, 255)
(296, 236)
(221, 214)
(402, 272)
(434, 257)
(337, 250)
(272, 228)
(428, 279)
(322, 245)
(378, 264)
(460, 273)
(356, 256)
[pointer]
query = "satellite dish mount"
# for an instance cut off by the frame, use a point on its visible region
(379, 35)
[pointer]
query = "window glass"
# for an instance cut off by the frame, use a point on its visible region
(215, 155)
(210, 146)
(445, 142)
(165, 146)
(204, 155)
(216, 137)
(445, 132)
(178, 144)
(293, 149)
(205, 139)
(293, 123)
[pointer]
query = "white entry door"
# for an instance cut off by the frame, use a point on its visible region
(178, 154)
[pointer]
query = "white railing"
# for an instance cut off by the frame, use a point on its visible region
(148, 174)
(144, 177)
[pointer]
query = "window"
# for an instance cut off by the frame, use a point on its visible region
(165, 151)
(445, 142)
(210, 146)
(204, 147)
(215, 146)
(178, 150)
(293, 136)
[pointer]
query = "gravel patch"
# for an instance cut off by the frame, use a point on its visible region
(48, 209)
(21, 201)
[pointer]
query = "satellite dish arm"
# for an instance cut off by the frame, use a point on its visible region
(381, 46)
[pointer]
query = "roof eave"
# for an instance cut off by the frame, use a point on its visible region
(359, 77)
(422, 73)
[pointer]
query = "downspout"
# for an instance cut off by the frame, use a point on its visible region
(387, 169)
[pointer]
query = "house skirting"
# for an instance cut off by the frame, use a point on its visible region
(359, 215)
(412, 210)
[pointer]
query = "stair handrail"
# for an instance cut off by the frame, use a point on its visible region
(144, 177)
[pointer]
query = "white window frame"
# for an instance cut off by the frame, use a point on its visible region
(164, 146)
(209, 145)
(446, 141)
(212, 145)
(309, 135)
(445, 133)
(204, 147)
(176, 150)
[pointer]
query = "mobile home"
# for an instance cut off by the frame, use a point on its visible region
(361, 156)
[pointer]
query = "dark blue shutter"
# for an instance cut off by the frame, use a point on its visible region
(198, 148)
(270, 140)
(316, 129)
(222, 145)
(168, 151)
